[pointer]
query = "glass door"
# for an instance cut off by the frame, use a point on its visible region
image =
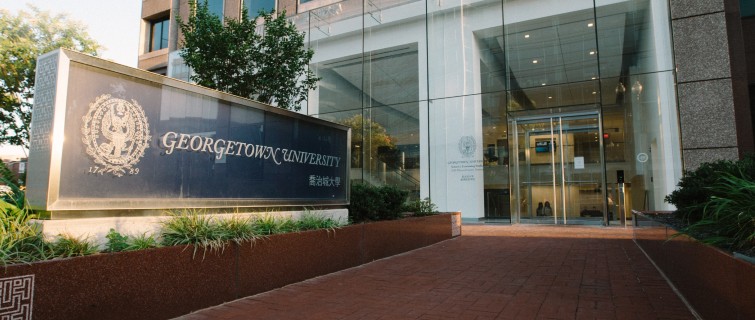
(559, 170)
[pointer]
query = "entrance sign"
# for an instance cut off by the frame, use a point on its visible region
(109, 137)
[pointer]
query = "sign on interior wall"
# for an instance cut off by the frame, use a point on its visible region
(105, 136)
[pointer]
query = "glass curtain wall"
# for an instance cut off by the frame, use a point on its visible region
(449, 100)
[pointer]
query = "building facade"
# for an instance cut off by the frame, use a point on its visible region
(540, 111)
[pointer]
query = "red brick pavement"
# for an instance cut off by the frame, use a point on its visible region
(491, 272)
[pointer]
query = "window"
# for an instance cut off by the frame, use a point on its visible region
(159, 34)
(216, 7)
(747, 8)
(253, 7)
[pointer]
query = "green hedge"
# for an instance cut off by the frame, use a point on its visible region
(370, 203)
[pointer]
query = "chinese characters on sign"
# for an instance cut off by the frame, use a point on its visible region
(320, 181)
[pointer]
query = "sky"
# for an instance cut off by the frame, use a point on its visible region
(114, 24)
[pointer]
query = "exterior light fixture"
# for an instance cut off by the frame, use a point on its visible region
(592, 52)
(526, 36)
(637, 89)
(590, 25)
(534, 61)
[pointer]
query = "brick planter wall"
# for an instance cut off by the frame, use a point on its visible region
(168, 282)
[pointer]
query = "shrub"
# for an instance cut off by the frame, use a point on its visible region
(116, 242)
(728, 217)
(376, 203)
(694, 189)
(423, 207)
(365, 203)
(237, 229)
(141, 242)
(310, 221)
(393, 200)
(191, 227)
(269, 224)
(67, 246)
(20, 241)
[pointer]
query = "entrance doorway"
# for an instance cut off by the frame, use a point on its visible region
(558, 170)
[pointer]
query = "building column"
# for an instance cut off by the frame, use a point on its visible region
(714, 109)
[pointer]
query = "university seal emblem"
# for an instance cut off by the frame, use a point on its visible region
(116, 133)
(467, 146)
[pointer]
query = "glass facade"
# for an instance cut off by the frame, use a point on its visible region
(497, 108)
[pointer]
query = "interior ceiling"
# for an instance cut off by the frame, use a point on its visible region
(557, 61)
(569, 64)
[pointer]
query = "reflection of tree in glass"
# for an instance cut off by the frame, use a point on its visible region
(377, 138)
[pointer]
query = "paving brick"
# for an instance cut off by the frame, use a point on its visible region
(491, 272)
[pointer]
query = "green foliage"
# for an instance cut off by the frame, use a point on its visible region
(141, 242)
(67, 246)
(115, 241)
(423, 207)
(376, 203)
(192, 227)
(20, 241)
(232, 56)
(393, 200)
(269, 224)
(237, 229)
(311, 221)
(22, 38)
(728, 217)
(694, 188)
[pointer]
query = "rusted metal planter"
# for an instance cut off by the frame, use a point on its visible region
(168, 282)
(715, 283)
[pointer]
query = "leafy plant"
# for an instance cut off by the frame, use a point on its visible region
(694, 188)
(141, 242)
(376, 203)
(192, 227)
(393, 200)
(311, 221)
(271, 66)
(238, 229)
(269, 224)
(69, 246)
(423, 207)
(116, 242)
(20, 241)
(728, 217)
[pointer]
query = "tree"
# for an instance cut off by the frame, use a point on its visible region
(22, 38)
(270, 66)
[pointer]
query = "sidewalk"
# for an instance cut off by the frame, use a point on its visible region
(490, 272)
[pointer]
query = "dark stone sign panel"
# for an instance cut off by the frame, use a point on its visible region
(134, 140)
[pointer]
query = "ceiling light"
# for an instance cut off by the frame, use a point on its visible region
(526, 36)
(534, 61)
(589, 25)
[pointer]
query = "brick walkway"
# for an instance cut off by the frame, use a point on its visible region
(491, 272)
